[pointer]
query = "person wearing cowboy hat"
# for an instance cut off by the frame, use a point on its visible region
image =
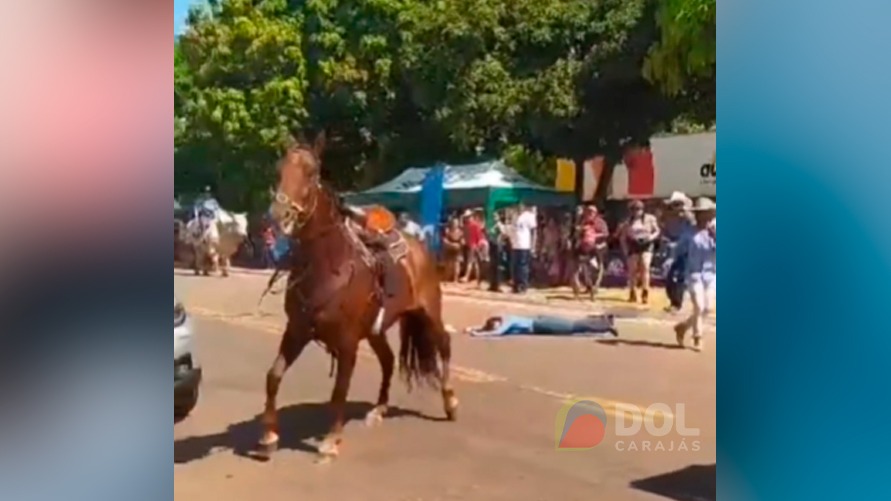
(678, 222)
(679, 198)
(638, 237)
(699, 248)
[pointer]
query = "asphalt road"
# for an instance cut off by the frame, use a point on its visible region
(502, 447)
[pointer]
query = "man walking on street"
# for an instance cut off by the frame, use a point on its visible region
(678, 222)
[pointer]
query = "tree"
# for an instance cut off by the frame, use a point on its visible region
(351, 47)
(248, 86)
(399, 83)
(562, 78)
(181, 81)
(688, 46)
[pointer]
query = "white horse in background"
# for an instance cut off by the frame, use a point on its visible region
(215, 240)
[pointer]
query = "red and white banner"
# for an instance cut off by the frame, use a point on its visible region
(681, 163)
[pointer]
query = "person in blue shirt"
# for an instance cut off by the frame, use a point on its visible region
(699, 250)
(678, 223)
(547, 326)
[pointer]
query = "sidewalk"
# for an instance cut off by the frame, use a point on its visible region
(612, 301)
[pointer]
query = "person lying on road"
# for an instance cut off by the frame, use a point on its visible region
(593, 326)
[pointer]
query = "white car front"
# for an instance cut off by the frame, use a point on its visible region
(186, 372)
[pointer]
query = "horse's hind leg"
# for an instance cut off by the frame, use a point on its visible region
(291, 347)
(346, 364)
(214, 262)
(443, 342)
(224, 266)
(387, 359)
(196, 260)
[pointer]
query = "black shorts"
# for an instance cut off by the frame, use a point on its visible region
(639, 248)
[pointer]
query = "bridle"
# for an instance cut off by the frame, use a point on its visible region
(296, 213)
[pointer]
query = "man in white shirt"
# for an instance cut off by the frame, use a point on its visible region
(409, 227)
(524, 231)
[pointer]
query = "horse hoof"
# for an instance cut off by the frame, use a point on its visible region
(329, 449)
(267, 447)
(452, 409)
(375, 417)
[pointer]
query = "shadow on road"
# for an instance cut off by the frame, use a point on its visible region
(696, 483)
(640, 344)
(300, 425)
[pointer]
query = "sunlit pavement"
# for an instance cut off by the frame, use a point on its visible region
(502, 447)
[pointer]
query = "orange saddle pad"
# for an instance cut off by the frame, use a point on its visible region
(380, 219)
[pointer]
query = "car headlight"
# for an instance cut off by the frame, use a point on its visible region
(179, 315)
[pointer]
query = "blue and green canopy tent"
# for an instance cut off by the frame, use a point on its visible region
(490, 185)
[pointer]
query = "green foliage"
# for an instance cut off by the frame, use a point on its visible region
(249, 83)
(400, 83)
(688, 47)
(181, 81)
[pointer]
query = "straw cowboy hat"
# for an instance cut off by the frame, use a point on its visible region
(704, 205)
(679, 198)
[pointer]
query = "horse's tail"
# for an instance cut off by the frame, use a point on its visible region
(418, 355)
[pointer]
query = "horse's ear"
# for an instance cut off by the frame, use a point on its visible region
(290, 141)
(318, 146)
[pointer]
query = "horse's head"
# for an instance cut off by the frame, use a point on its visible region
(299, 185)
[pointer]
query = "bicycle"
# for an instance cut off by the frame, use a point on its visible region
(590, 268)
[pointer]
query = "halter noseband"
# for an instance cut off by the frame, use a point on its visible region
(295, 212)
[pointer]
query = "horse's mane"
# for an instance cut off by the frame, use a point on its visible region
(337, 204)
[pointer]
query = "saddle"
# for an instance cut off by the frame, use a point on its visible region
(380, 220)
(379, 234)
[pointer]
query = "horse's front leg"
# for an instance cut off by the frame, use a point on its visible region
(346, 364)
(214, 260)
(292, 345)
(196, 259)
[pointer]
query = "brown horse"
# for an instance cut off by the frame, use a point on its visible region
(334, 297)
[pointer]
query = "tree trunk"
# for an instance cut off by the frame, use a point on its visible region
(605, 182)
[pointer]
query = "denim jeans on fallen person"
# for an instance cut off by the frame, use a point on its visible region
(557, 326)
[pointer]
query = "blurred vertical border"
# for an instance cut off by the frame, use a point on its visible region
(805, 109)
